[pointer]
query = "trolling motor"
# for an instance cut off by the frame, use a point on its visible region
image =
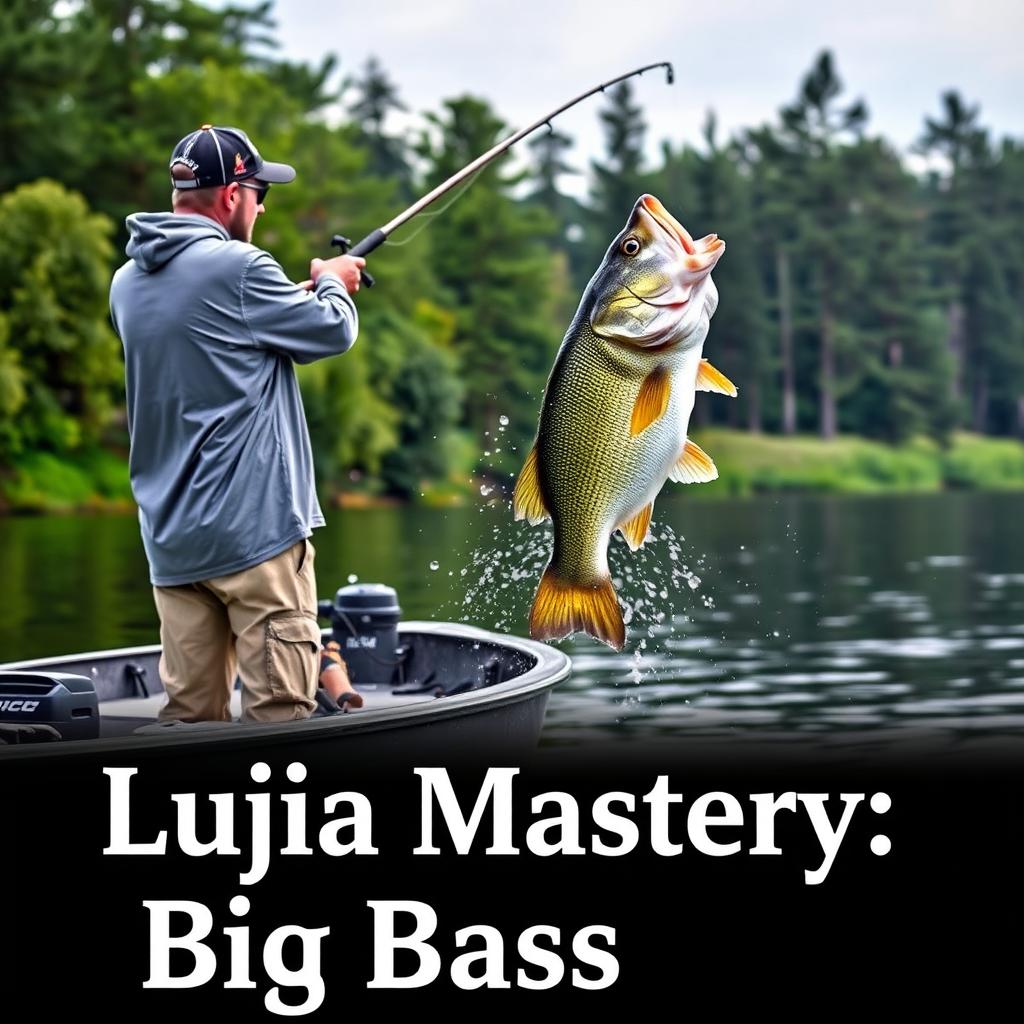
(364, 620)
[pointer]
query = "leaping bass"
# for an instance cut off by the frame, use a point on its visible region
(615, 415)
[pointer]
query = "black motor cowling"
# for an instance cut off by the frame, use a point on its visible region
(364, 619)
(64, 702)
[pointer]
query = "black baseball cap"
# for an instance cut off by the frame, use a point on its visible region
(219, 156)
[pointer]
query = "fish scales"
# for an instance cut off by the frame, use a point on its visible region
(615, 412)
(592, 470)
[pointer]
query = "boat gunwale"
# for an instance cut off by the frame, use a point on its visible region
(552, 666)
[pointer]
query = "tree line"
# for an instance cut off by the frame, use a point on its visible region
(857, 297)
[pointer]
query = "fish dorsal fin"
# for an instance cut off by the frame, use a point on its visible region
(710, 379)
(527, 499)
(651, 402)
(694, 466)
(635, 529)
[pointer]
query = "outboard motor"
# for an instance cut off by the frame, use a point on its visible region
(64, 702)
(364, 618)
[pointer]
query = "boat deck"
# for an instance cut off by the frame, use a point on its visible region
(133, 714)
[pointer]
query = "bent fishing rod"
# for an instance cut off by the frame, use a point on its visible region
(380, 235)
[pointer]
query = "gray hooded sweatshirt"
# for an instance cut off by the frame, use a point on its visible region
(221, 464)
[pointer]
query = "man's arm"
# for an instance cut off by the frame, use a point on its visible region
(304, 325)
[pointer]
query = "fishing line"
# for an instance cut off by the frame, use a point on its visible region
(424, 217)
(379, 236)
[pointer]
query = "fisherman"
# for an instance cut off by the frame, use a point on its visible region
(221, 463)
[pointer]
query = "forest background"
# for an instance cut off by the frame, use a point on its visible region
(872, 317)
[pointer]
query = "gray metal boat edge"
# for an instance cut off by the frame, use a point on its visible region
(550, 667)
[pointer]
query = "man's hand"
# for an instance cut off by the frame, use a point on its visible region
(346, 267)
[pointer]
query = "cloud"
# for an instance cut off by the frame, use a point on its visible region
(742, 59)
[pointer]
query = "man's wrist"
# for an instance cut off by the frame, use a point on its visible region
(327, 275)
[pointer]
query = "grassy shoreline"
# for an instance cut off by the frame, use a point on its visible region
(753, 464)
(748, 464)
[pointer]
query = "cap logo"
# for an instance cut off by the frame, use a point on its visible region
(239, 164)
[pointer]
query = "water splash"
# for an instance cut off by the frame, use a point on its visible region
(657, 588)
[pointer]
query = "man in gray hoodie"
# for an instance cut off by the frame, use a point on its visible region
(221, 463)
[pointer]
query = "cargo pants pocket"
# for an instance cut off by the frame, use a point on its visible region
(292, 657)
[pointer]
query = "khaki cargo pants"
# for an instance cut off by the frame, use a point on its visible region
(259, 624)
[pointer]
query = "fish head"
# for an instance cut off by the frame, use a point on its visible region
(654, 286)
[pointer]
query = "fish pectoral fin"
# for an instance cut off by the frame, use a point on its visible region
(652, 401)
(561, 608)
(635, 529)
(527, 500)
(694, 466)
(710, 379)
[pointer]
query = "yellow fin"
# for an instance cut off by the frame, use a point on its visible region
(710, 379)
(527, 499)
(561, 608)
(652, 401)
(694, 466)
(635, 529)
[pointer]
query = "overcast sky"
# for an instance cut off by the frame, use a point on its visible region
(741, 59)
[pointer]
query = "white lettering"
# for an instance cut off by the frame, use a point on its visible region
(385, 943)
(497, 784)
(120, 818)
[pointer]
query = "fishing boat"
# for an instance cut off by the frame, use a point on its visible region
(436, 689)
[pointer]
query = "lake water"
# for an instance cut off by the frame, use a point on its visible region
(860, 623)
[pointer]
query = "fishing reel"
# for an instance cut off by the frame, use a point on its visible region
(343, 244)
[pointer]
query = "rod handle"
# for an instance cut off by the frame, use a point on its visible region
(361, 248)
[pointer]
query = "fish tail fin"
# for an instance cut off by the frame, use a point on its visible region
(561, 608)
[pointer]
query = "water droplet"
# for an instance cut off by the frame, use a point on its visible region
(434, 566)
(353, 578)
(503, 420)
(485, 490)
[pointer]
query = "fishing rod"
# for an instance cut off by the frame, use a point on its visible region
(379, 236)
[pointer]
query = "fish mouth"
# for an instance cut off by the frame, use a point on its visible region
(659, 305)
(668, 223)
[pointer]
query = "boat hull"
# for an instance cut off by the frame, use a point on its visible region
(502, 719)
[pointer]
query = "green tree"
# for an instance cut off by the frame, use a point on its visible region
(618, 180)
(958, 138)
(774, 171)
(376, 97)
(488, 255)
(993, 289)
(901, 383)
(815, 125)
(726, 208)
(548, 166)
(125, 45)
(39, 72)
(60, 368)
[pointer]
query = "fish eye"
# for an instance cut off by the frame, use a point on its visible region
(630, 246)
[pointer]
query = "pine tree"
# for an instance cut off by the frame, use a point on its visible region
(548, 166)
(814, 126)
(618, 180)
(725, 207)
(376, 97)
(488, 254)
(39, 74)
(957, 137)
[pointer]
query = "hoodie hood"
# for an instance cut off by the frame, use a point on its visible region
(156, 238)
